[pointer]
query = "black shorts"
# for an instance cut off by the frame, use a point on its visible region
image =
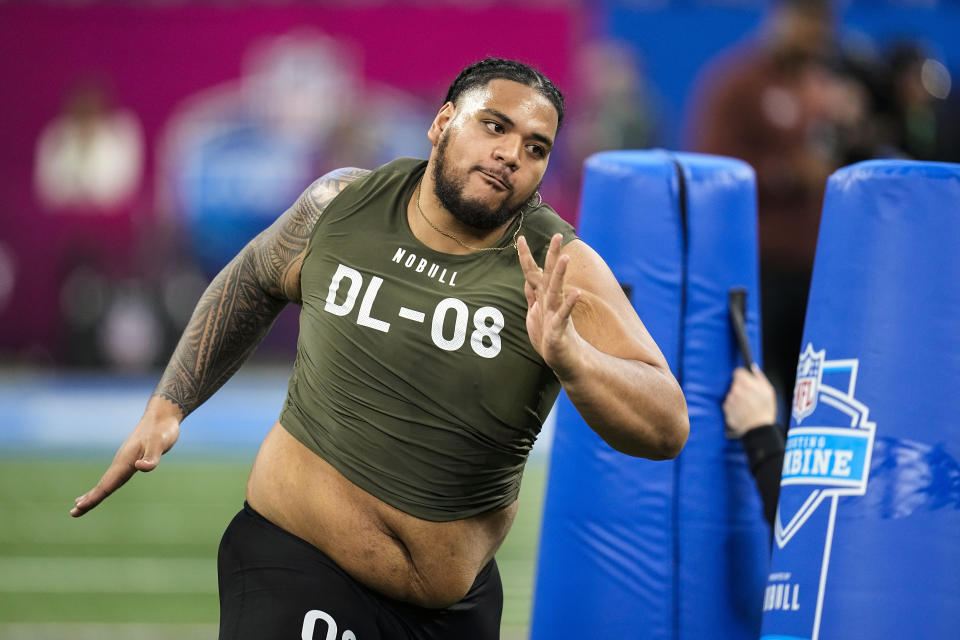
(276, 585)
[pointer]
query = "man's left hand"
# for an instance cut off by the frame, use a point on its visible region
(549, 306)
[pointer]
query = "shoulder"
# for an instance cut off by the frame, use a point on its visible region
(327, 187)
(362, 183)
(315, 198)
(540, 225)
(277, 253)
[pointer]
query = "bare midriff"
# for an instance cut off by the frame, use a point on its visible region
(430, 564)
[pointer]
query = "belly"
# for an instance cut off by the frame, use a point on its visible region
(430, 564)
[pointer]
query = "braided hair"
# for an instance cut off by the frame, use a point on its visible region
(479, 74)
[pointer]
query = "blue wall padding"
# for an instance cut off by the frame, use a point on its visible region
(675, 549)
(879, 375)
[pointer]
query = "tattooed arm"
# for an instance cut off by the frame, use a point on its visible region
(239, 307)
(230, 320)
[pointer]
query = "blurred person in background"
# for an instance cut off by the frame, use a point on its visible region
(911, 115)
(615, 109)
(89, 158)
(88, 172)
(846, 126)
(431, 349)
(232, 153)
(948, 144)
(776, 103)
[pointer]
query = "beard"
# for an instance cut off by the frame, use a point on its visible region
(470, 212)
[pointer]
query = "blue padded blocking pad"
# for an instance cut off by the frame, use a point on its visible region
(868, 541)
(669, 549)
(603, 569)
(723, 538)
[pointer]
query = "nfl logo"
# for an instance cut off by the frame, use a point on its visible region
(809, 374)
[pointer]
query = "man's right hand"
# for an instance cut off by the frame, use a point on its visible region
(750, 403)
(153, 436)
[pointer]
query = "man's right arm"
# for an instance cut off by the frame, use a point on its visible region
(240, 305)
(229, 322)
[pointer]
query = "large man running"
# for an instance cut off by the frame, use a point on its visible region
(431, 349)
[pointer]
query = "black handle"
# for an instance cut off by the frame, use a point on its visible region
(738, 320)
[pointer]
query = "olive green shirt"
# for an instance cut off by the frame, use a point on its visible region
(415, 377)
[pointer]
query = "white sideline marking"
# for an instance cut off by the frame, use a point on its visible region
(107, 575)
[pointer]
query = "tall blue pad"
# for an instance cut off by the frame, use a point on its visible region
(677, 549)
(867, 543)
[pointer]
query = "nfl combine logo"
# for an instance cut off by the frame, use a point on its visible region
(826, 459)
(809, 376)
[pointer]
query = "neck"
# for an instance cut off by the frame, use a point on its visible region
(433, 225)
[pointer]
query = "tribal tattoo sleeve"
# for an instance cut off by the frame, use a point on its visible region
(241, 304)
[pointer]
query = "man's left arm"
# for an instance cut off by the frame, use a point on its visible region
(586, 330)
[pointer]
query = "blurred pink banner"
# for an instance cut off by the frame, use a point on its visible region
(150, 59)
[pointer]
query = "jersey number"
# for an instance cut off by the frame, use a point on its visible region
(310, 623)
(487, 321)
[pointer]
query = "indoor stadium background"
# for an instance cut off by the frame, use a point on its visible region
(215, 116)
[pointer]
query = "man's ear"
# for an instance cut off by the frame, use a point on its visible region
(444, 116)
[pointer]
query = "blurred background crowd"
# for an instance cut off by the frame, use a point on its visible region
(145, 143)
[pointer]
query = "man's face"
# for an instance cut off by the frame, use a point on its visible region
(491, 151)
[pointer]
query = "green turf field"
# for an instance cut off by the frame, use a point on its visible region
(143, 564)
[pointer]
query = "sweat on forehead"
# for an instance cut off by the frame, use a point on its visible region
(481, 73)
